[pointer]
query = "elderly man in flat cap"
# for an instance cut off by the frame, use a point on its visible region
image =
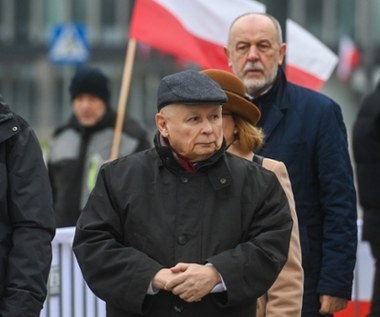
(184, 228)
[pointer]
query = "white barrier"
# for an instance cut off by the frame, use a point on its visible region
(69, 296)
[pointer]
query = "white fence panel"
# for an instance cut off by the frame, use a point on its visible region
(68, 294)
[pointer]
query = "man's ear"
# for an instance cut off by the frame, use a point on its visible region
(227, 53)
(161, 124)
(282, 53)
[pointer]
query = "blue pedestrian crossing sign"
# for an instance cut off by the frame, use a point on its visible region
(69, 44)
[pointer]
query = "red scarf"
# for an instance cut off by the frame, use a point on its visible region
(187, 165)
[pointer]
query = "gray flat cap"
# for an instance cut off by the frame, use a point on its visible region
(189, 87)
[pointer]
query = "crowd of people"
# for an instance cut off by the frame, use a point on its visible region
(243, 204)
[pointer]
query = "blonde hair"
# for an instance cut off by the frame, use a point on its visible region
(250, 138)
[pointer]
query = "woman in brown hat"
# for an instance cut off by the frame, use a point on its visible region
(240, 115)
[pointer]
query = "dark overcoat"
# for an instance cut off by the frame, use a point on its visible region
(305, 130)
(26, 218)
(146, 213)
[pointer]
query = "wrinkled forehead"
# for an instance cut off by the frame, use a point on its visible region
(252, 26)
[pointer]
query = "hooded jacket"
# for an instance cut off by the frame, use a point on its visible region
(26, 219)
(146, 213)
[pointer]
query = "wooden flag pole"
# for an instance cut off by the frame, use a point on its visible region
(123, 97)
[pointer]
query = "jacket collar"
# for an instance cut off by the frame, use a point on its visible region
(273, 105)
(215, 166)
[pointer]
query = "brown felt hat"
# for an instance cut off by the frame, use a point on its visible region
(236, 93)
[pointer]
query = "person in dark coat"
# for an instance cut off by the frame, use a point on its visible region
(366, 148)
(184, 228)
(26, 218)
(305, 130)
(80, 146)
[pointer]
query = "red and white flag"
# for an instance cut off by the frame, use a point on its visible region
(193, 30)
(309, 62)
(349, 58)
(197, 30)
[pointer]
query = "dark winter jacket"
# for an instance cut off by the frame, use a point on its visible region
(76, 155)
(26, 219)
(147, 213)
(305, 130)
(366, 147)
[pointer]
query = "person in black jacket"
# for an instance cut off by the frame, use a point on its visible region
(79, 147)
(366, 148)
(26, 218)
(184, 228)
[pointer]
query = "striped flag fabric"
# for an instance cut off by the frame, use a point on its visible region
(197, 30)
(349, 58)
(309, 62)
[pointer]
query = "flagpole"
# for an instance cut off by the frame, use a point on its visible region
(123, 97)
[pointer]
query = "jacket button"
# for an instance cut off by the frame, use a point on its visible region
(14, 129)
(178, 309)
(182, 239)
(184, 180)
(222, 180)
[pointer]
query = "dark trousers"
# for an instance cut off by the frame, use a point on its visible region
(375, 304)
